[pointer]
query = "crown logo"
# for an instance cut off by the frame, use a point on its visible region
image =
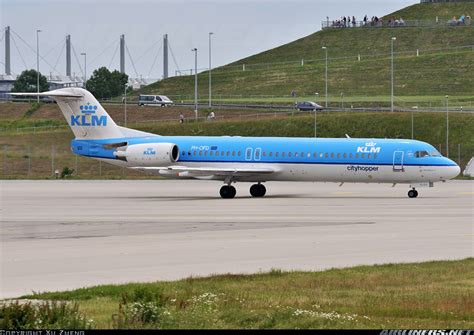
(370, 144)
(88, 109)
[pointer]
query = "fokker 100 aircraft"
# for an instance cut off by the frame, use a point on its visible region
(257, 160)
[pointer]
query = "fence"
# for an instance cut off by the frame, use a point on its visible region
(335, 24)
(270, 111)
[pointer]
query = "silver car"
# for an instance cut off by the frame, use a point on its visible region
(308, 106)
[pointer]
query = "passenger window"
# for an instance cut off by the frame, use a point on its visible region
(375, 156)
(302, 155)
(158, 98)
(338, 155)
(222, 153)
(345, 155)
(289, 154)
(321, 155)
(228, 153)
(326, 155)
(183, 153)
(362, 155)
(194, 152)
(350, 155)
(217, 153)
(200, 153)
(356, 155)
(309, 155)
(211, 153)
(296, 154)
(315, 155)
(270, 154)
(368, 155)
(233, 153)
(332, 155)
(239, 153)
(205, 153)
(264, 154)
(276, 154)
(283, 154)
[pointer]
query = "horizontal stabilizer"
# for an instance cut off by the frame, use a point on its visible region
(56, 93)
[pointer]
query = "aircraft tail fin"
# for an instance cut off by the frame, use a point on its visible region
(84, 114)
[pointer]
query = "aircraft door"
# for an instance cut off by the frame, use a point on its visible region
(248, 154)
(398, 161)
(257, 154)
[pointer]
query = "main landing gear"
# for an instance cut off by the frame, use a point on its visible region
(227, 192)
(412, 193)
(257, 190)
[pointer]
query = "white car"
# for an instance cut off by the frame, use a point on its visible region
(154, 100)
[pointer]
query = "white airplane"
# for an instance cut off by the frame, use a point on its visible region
(234, 159)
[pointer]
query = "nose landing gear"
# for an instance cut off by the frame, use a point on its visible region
(412, 193)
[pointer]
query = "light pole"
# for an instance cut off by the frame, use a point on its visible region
(37, 65)
(315, 109)
(210, 34)
(447, 126)
(326, 49)
(85, 69)
(391, 96)
(125, 103)
(412, 122)
(342, 100)
(195, 83)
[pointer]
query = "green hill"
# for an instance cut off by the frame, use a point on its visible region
(443, 64)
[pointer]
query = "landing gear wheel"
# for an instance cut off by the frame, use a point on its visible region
(257, 190)
(412, 193)
(228, 192)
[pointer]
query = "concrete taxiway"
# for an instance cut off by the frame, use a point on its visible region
(58, 235)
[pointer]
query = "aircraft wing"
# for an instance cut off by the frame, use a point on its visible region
(204, 171)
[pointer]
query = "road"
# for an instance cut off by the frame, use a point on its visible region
(58, 235)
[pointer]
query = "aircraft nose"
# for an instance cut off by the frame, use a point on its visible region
(452, 170)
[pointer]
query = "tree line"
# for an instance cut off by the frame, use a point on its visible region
(103, 84)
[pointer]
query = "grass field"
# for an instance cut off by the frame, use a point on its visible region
(27, 151)
(359, 62)
(420, 295)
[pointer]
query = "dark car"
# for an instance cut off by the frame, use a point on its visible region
(308, 106)
(47, 100)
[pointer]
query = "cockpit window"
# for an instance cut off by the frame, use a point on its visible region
(420, 154)
(435, 153)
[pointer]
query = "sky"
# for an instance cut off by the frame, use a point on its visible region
(241, 28)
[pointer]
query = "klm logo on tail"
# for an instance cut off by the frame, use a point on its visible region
(88, 117)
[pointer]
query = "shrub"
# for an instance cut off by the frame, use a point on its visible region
(51, 315)
(67, 172)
